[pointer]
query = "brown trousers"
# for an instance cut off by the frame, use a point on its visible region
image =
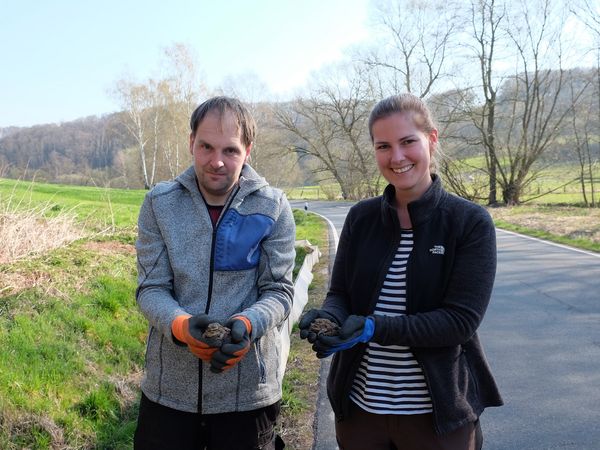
(364, 430)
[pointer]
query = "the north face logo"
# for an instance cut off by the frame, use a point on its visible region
(437, 250)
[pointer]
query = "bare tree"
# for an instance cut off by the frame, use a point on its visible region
(136, 100)
(181, 90)
(588, 12)
(582, 127)
(413, 51)
(523, 112)
(459, 141)
(269, 155)
(158, 112)
(486, 17)
(331, 127)
(533, 114)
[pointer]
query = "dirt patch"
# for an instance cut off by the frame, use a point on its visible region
(14, 282)
(561, 221)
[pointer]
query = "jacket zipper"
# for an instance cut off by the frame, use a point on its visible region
(212, 247)
(354, 369)
(210, 280)
(409, 310)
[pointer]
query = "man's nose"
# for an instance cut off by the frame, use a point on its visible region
(217, 160)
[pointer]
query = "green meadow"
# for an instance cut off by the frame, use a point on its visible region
(94, 206)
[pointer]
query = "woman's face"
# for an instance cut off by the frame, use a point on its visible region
(403, 153)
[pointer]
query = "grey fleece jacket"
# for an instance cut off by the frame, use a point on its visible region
(241, 266)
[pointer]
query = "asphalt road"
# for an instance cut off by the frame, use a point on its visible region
(542, 338)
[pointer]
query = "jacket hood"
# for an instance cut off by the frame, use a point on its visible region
(249, 181)
(420, 210)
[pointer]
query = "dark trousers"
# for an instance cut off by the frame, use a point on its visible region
(364, 430)
(163, 428)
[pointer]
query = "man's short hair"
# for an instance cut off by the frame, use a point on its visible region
(221, 105)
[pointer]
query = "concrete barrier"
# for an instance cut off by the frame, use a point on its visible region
(303, 280)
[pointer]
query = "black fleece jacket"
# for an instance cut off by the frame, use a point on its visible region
(450, 275)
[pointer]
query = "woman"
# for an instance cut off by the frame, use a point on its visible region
(412, 279)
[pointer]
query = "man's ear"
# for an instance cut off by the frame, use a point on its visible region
(248, 150)
(192, 143)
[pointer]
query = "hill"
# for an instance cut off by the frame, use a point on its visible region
(69, 152)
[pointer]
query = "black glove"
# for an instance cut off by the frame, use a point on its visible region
(308, 318)
(230, 354)
(355, 329)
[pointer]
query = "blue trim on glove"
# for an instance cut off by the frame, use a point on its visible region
(324, 351)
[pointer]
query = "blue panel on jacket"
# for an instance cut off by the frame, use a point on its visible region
(238, 240)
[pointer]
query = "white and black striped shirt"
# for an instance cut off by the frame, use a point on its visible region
(389, 379)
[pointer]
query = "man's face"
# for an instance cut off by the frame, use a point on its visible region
(219, 156)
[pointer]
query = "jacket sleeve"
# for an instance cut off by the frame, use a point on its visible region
(155, 276)
(274, 281)
(465, 299)
(337, 301)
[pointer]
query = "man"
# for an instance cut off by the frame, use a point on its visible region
(215, 245)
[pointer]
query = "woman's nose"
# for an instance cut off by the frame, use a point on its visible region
(397, 154)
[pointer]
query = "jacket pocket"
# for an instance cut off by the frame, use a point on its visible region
(471, 391)
(148, 341)
(237, 245)
(262, 372)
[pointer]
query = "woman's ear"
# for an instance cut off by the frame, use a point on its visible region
(433, 140)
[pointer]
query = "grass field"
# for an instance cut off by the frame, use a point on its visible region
(556, 185)
(97, 208)
(71, 348)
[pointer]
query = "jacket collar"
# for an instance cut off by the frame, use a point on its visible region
(420, 210)
(250, 181)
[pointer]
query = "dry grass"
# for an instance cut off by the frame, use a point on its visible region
(566, 221)
(27, 232)
(27, 424)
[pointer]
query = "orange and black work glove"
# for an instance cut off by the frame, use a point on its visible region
(230, 354)
(188, 330)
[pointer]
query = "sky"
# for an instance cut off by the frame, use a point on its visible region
(59, 59)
